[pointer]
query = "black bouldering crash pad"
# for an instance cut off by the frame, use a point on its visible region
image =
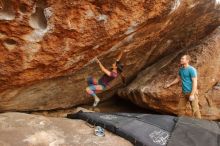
(156, 130)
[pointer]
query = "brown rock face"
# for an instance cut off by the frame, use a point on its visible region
(147, 90)
(47, 47)
(44, 131)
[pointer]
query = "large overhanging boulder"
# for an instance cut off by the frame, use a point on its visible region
(47, 47)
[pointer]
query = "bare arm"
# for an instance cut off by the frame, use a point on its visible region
(194, 86)
(106, 71)
(177, 79)
(119, 56)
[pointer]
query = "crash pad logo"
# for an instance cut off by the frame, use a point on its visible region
(159, 137)
(108, 117)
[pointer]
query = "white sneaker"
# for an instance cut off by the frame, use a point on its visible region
(96, 102)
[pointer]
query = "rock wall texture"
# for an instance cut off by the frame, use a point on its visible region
(147, 89)
(44, 131)
(47, 47)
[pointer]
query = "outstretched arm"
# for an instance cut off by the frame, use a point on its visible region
(173, 83)
(106, 71)
(119, 56)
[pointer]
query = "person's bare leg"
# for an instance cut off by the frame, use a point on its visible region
(92, 81)
(91, 91)
(96, 100)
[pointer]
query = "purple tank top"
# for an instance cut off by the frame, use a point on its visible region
(105, 79)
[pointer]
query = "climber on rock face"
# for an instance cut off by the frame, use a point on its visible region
(102, 83)
(188, 77)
